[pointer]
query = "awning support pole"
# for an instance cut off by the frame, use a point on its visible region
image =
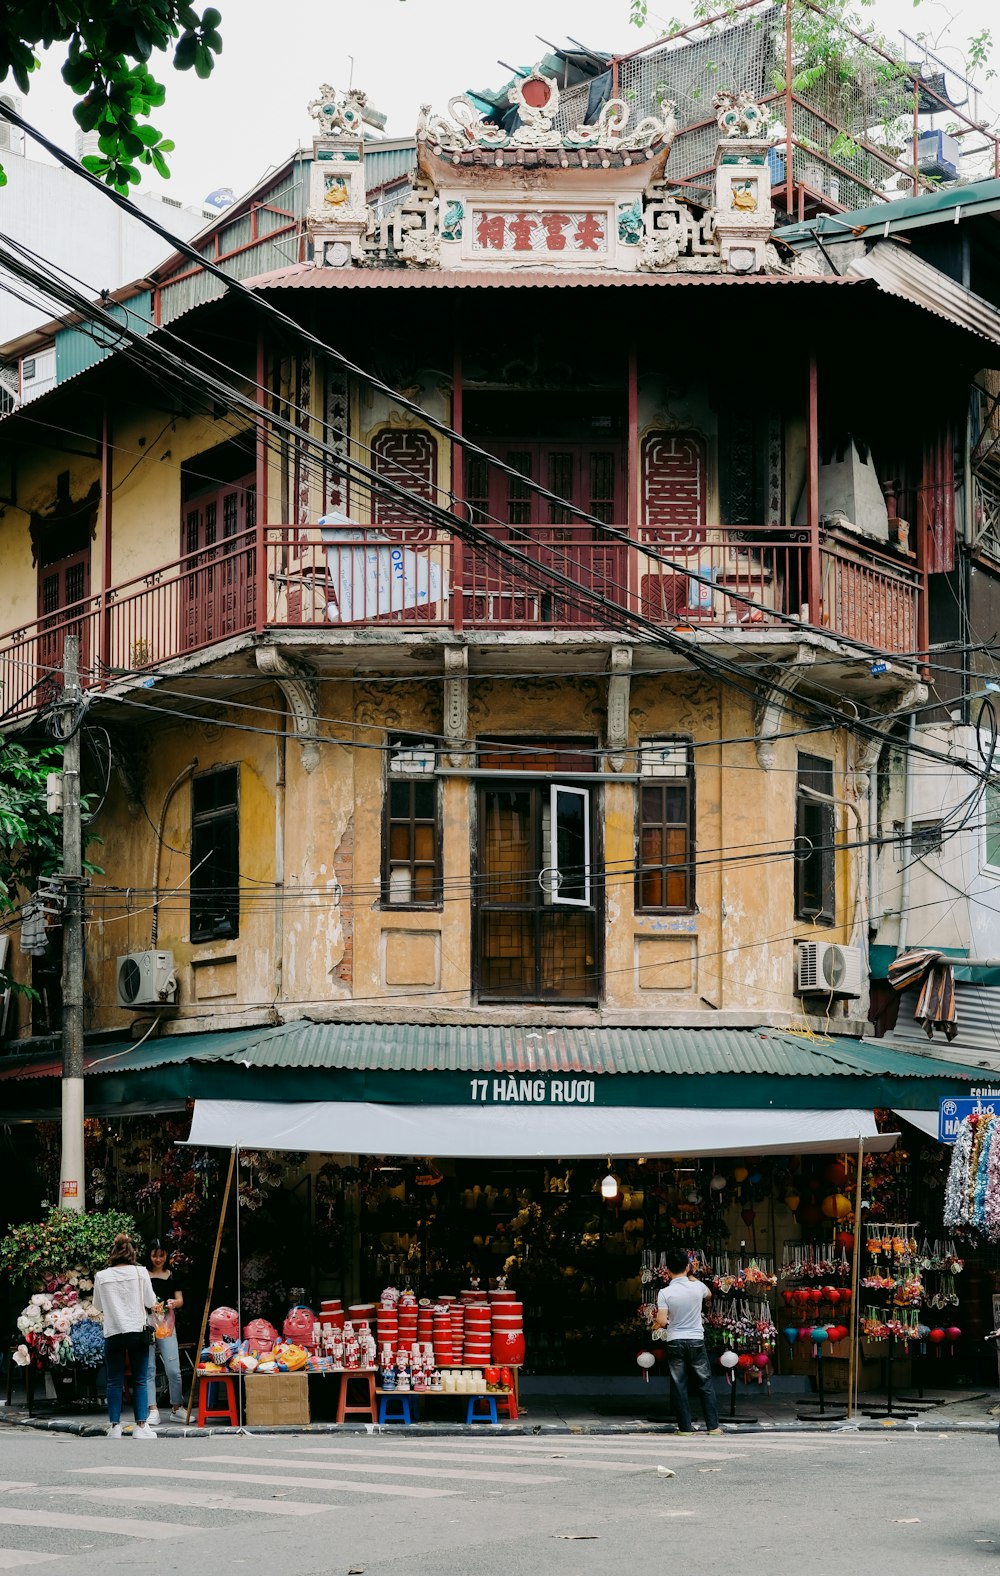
(211, 1284)
(852, 1351)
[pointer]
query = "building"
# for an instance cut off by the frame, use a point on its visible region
(490, 651)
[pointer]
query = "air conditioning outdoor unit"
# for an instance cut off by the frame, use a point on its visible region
(146, 979)
(825, 969)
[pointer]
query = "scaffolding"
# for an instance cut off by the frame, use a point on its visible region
(845, 107)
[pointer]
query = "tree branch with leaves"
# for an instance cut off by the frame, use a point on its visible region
(108, 46)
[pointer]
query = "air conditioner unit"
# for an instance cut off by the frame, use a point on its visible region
(825, 969)
(146, 979)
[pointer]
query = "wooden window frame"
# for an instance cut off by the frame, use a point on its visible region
(208, 829)
(399, 748)
(665, 867)
(815, 843)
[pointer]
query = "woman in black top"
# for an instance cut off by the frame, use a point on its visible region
(169, 1299)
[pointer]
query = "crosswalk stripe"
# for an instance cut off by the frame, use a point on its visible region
(370, 1468)
(400, 1490)
(11, 1559)
(10, 1517)
(192, 1500)
(588, 1463)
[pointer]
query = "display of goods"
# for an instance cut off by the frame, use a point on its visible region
(224, 1325)
(289, 1356)
(298, 1325)
(330, 1305)
(508, 1346)
(260, 1335)
(361, 1310)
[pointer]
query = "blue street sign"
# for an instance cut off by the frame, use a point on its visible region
(952, 1112)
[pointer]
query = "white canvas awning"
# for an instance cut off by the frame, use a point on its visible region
(516, 1133)
(926, 1121)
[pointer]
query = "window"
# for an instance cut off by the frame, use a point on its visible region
(992, 829)
(28, 368)
(215, 854)
(411, 843)
(926, 837)
(665, 858)
(815, 832)
(536, 877)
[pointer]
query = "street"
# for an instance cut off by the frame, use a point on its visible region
(315, 1506)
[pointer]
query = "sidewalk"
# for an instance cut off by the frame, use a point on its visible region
(611, 1405)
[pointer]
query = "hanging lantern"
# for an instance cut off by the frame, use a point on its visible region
(645, 1361)
(609, 1186)
(845, 1240)
(831, 1294)
(740, 1173)
(791, 1335)
(836, 1207)
(816, 1295)
(818, 1334)
(845, 1293)
(748, 1216)
(954, 1334)
(728, 1360)
(805, 1332)
(787, 1296)
(836, 1172)
(718, 1183)
(802, 1294)
(761, 1360)
(756, 1179)
(792, 1201)
(936, 1337)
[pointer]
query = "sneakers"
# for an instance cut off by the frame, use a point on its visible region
(153, 1418)
(114, 1431)
(142, 1431)
(713, 1430)
(176, 1413)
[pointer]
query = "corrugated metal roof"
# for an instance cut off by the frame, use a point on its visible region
(379, 1047)
(906, 213)
(301, 276)
(386, 164)
(900, 273)
(977, 1011)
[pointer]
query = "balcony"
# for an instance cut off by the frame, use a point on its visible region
(364, 578)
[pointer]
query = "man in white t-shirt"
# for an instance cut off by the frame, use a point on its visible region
(679, 1309)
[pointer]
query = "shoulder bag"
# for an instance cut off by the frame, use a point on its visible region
(149, 1317)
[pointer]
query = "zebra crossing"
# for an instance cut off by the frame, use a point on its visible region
(105, 1499)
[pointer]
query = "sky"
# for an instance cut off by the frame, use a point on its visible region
(251, 114)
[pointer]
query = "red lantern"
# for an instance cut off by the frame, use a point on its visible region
(802, 1295)
(836, 1172)
(953, 1332)
(805, 1333)
(845, 1240)
(788, 1296)
(746, 1361)
(816, 1295)
(831, 1293)
(845, 1294)
(937, 1336)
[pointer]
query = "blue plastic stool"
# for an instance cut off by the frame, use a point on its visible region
(472, 1416)
(402, 1416)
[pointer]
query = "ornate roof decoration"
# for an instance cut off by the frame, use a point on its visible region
(344, 114)
(537, 99)
(739, 115)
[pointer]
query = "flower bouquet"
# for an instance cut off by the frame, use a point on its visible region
(49, 1325)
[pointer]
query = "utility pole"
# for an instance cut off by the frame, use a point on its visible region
(71, 1170)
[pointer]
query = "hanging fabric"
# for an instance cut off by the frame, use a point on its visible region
(936, 1003)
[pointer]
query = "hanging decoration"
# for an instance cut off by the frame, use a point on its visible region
(972, 1191)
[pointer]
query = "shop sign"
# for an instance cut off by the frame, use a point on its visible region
(578, 230)
(70, 1189)
(532, 1091)
(952, 1112)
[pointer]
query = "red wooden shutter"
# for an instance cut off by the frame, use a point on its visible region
(673, 487)
(408, 459)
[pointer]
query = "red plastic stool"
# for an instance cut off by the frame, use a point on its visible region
(509, 1404)
(205, 1411)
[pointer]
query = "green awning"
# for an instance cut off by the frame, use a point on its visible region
(423, 1064)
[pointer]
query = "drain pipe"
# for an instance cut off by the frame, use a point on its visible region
(874, 849)
(181, 777)
(904, 880)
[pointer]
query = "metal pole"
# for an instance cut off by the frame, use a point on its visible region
(789, 111)
(812, 496)
(71, 1169)
(852, 1350)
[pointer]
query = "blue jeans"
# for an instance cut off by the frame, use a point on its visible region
(115, 1347)
(686, 1358)
(169, 1357)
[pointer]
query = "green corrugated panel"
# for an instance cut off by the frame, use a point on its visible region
(906, 213)
(77, 350)
(508, 1048)
(388, 164)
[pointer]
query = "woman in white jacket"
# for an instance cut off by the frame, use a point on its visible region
(123, 1294)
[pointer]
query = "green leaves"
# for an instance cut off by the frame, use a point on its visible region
(109, 43)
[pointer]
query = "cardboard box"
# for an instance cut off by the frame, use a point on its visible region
(276, 1399)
